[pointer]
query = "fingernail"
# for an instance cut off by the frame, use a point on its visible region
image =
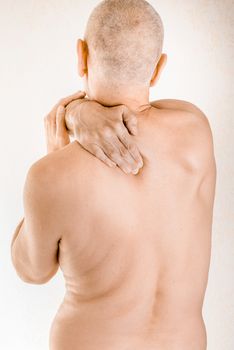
(135, 171)
(140, 164)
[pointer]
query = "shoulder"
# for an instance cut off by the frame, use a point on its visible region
(175, 105)
(58, 174)
(190, 132)
(49, 174)
(184, 114)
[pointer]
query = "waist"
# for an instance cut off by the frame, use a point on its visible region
(86, 334)
(137, 328)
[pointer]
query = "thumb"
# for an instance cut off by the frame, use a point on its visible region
(130, 121)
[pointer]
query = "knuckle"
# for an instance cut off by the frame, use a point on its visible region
(118, 126)
(133, 122)
(132, 147)
(124, 152)
(107, 131)
(133, 118)
(125, 137)
(60, 108)
(113, 154)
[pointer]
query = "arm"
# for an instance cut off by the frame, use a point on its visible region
(34, 246)
(95, 125)
(72, 115)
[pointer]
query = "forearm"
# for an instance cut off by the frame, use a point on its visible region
(20, 258)
(16, 253)
(70, 117)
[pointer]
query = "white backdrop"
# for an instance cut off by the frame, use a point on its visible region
(37, 67)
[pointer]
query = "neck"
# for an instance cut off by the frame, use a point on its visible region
(136, 100)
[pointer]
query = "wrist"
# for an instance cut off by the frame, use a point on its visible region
(72, 114)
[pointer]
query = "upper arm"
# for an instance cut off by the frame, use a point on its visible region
(35, 249)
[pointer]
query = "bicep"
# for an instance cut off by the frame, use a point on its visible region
(37, 244)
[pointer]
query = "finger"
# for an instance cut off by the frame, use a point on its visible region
(50, 123)
(98, 152)
(65, 101)
(60, 121)
(113, 154)
(120, 163)
(130, 120)
(125, 154)
(126, 140)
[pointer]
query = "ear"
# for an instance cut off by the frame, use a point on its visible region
(82, 53)
(158, 69)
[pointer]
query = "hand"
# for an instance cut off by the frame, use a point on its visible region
(107, 133)
(55, 128)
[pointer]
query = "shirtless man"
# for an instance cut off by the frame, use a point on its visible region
(134, 249)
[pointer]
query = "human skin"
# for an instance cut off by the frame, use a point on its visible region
(105, 132)
(134, 249)
(105, 128)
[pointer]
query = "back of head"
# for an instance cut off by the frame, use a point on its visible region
(124, 39)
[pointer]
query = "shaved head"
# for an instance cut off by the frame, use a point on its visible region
(124, 39)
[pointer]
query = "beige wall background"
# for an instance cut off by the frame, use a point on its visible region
(38, 66)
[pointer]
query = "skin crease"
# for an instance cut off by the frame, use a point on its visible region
(134, 249)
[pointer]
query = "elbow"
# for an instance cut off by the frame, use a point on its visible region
(42, 280)
(26, 278)
(30, 280)
(33, 280)
(38, 278)
(29, 275)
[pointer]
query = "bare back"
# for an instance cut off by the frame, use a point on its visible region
(135, 249)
